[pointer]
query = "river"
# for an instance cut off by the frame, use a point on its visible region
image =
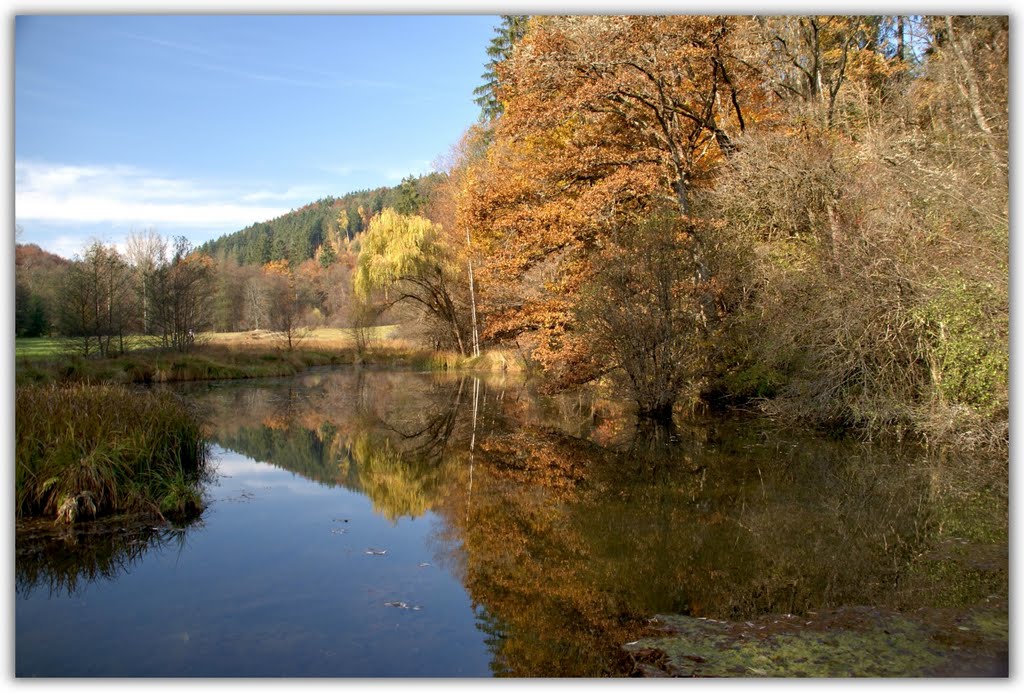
(368, 523)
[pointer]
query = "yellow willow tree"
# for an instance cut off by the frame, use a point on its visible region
(607, 120)
(403, 256)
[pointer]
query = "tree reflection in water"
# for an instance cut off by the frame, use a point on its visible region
(65, 560)
(570, 525)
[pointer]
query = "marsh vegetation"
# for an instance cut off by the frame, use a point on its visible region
(84, 451)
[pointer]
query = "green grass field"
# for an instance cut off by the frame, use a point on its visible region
(54, 347)
(38, 347)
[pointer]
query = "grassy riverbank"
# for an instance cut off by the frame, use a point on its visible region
(84, 451)
(88, 444)
(237, 356)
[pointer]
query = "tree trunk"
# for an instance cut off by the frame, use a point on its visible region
(901, 47)
(656, 411)
(472, 298)
(971, 92)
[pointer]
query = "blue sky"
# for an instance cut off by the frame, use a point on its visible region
(201, 125)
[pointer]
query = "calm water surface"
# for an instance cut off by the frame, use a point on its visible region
(372, 523)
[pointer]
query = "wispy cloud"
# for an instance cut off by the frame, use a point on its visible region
(174, 45)
(262, 76)
(321, 80)
(300, 77)
(71, 194)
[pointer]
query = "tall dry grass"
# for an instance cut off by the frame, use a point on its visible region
(82, 451)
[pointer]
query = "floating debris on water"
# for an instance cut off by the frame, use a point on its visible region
(404, 605)
(244, 495)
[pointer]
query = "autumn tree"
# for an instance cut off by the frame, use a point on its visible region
(606, 120)
(639, 313)
(456, 169)
(402, 258)
(810, 58)
(38, 277)
(964, 90)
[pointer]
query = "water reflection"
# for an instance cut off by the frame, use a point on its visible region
(569, 525)
(384, 435)
(65, 560)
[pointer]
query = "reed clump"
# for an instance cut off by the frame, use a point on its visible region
(85, 451)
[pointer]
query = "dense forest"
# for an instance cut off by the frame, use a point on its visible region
(320, 230)
(38, 275)
(805, 214)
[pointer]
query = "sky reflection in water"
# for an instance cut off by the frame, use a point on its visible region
(372, 523)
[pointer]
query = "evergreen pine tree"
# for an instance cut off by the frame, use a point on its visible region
(507, 34)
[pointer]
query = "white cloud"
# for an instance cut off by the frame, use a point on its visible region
(66, 246)
(117, 194)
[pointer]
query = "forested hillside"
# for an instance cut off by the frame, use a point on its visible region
(326, 226)
(37, 278)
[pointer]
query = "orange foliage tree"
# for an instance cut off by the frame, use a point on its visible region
(606, 120)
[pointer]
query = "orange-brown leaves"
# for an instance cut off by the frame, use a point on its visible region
(277, 268)
(606, 119)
